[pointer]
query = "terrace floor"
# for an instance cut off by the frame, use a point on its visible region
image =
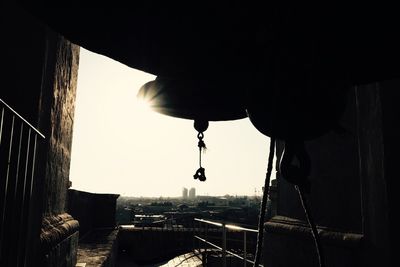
(190, 259)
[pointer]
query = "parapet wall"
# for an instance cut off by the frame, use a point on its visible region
(150, 245)
(92, 210)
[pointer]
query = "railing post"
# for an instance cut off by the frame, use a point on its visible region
(223, 245)
(206, 238)
(17, 161)
(244, 249)
(194, 234)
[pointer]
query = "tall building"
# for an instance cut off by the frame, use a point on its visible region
(184, 192)
(192, 192)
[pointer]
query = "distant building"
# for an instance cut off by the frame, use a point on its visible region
(192, 193)
(184, 192)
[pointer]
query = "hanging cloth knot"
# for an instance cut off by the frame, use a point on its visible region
(200, 174)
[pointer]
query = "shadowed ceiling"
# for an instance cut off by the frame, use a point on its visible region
(247, 39)
(287, 63)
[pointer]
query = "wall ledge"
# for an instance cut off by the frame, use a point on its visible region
(300, 229)
(98, 248)
(56, 228)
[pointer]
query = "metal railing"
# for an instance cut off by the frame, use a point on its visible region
(223, 228)
(18, 145)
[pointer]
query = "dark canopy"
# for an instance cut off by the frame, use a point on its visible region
(237, 40)
(287, 65)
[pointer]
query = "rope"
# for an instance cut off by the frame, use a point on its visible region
(260, 234)
(200, 156)
(200, 173)
(201, 145)
(313, 227)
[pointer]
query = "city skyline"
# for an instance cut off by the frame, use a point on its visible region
(120, 146)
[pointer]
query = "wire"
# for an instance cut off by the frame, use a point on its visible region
(260, 234)
(313, 227)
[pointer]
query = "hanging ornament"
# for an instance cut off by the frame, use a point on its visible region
(200, 126)
(200, 99)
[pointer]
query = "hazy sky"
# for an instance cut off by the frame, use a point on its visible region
(121, 147)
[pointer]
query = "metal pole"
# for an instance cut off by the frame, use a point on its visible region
(205, 245)
(244, 249)
(223, 245)
(194, 234)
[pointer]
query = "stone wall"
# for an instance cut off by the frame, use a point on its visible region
(56, 116)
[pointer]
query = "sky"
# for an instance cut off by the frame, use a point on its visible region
(121, 146)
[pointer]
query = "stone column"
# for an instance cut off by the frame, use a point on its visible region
(59, 234)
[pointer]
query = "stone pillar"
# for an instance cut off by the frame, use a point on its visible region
(59, 233)
(39, 73)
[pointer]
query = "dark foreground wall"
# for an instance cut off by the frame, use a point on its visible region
(351, 195)
(98, 236)
(92, 210)
(39, 77)
(154, 244)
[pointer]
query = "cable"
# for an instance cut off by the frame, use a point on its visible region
(260, 234)
(313, 227)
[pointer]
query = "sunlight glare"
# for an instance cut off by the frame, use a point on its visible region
(127, 145)
(142, 106)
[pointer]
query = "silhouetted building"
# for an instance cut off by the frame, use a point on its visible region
(184, 192)
(192, 193)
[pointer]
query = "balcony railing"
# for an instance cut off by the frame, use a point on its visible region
(208, 229)
(18, 145)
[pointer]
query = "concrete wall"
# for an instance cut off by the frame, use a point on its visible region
(92, 210)
(98, 241)
(153, 245)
